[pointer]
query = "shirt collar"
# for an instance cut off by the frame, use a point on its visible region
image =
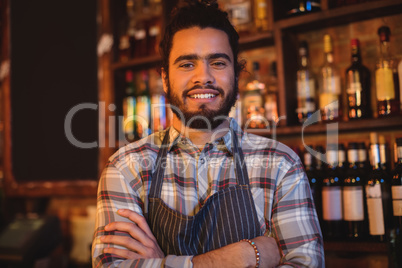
(175, 136)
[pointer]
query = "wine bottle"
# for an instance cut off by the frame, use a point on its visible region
(363, 164)
(129, 108)
(332, 196)
(358, 85)
(377, 194)
(396, 187)
(306, 90)
(319, 175)
(353, 196)
(314, 179)
(253, 102)
(329, 85)
(386, 77)
(384, 159)
(342, 162)
(396, 190)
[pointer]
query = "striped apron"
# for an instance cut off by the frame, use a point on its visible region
(226, 217)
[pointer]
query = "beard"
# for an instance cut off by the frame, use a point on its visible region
(204, 118)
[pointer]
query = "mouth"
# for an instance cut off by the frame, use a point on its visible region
(203, 96)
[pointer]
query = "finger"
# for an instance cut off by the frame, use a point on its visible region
(133, 245)
(131, 228)
(124, 241)
(137, 239)
(139, 220)
(123, 253)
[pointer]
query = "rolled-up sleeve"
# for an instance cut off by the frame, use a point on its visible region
(294, 221)
(117, 191)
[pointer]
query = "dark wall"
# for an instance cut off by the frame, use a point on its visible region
(53, 69)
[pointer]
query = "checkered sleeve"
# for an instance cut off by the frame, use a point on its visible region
(116, 191)
(294, 220)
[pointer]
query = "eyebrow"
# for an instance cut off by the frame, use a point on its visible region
(197, 57)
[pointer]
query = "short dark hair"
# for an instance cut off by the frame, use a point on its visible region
(203, 14)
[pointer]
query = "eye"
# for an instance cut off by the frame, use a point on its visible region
(219, 64)
(186, 65)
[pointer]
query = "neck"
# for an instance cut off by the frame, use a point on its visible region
(200, 137)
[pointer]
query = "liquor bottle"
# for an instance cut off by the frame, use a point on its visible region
(271, 94)
(306, 86)
(129, 108)
(332, 196)
(140, 35)
(240, 15)
(377, 194)
(386, 77)
(124, 48)
(342, 161)
(329, 85)
(131, 8)
(396, 190)
(154, 26)
(358, 85)
(353, 196)
(384, 158)
(158, 102)
(261, 21)
(364, 165)
(253, 102)
(143, 111)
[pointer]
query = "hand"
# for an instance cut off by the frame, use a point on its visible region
(140, 243)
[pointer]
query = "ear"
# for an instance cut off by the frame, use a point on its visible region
(164, 80)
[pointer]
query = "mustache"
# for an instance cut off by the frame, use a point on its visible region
(219, 89)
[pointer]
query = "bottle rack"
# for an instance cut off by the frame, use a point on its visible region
(283, 37)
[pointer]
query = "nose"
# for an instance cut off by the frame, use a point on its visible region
(203, 74)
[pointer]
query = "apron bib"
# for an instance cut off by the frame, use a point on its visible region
(227, 216)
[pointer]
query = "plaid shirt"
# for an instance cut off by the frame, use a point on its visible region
(278, 182)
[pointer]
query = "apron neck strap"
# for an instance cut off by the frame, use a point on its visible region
(240, 164)
(157, 176)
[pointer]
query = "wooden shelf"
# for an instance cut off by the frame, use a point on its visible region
(342, 15)
(319, 128)
(257, 40)
(139, 63)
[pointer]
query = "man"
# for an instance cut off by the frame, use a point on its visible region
(203, 193)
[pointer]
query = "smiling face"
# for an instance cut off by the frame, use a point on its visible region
(201, 81)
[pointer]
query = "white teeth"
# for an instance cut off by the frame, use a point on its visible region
(202, 96)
